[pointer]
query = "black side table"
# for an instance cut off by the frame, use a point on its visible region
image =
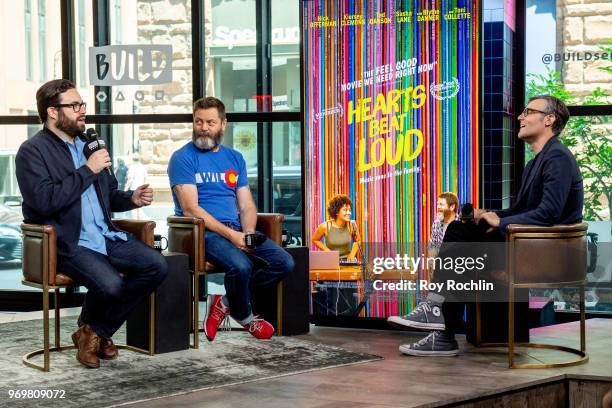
(294, 298)
(172, 308)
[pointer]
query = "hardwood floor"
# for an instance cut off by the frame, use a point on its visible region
(402, 381)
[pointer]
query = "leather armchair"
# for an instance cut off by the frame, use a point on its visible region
(186, 235)
(39, 266)
(545, 257)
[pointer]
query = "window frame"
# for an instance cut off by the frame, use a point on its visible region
(26, 300)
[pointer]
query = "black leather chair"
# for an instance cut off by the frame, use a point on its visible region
(186, 235)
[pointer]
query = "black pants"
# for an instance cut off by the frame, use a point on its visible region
(110, 296)
(465, 240)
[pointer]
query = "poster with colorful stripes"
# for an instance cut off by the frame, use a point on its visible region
(391, 97)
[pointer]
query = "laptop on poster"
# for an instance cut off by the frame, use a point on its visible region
(329, 260)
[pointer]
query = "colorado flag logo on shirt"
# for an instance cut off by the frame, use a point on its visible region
(230, 177)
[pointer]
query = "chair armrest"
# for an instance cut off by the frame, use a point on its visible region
(186, 235)
(271, 225)
(142, 229)
(537, 230)
(39, 253)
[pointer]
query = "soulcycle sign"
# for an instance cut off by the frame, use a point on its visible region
(113, 65)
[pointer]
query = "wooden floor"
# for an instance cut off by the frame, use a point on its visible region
(402, 381)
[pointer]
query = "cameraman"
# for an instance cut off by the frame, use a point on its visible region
(209, 181)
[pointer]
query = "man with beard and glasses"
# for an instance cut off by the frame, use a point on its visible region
(209, 181)
(76, 195)
(551, 192)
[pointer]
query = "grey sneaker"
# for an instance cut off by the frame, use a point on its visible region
(435, 343)
(426, 316)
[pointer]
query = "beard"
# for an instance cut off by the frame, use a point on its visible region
(445, 213)
(69, 126)
(208, 141)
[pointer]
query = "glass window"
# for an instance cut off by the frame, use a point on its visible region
(230, 63)
(287, 177)
(285, 55)
(142, 152)
(148, 65)
(28, 37)
(573, 41)
(82, 41)
(42, 39)
(34, 52)
(10, 208)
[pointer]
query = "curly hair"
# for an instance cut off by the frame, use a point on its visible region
(336, 204)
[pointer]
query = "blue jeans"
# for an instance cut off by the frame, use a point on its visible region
(263, 266)
(111, 297)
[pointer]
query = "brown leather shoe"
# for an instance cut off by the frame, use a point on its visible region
(108, 350)
(88, 343)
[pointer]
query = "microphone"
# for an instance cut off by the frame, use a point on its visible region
(93, 144)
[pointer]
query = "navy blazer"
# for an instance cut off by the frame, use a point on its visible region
(51, 188)
(551, 190)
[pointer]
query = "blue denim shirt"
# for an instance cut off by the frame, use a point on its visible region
(93, 226)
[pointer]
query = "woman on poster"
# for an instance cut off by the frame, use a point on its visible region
(340, 231)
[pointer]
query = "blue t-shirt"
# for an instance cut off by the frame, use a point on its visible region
(217, 176)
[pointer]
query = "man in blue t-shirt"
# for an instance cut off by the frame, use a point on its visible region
(209, 181)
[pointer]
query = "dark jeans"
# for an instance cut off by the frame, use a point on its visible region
(111, 297)
(263, 266)
(453, 246)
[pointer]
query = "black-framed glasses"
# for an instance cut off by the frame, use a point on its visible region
(529, 111)
(76, 107)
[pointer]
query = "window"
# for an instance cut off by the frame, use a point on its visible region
(572, 59)
(42, 40)
(287, 176)
(231, 66)
(573, 42)
(118, 22)
(82, 41)
(285, 57)
(10, 208)
(146, 154)
(229, 71)
(27, 4)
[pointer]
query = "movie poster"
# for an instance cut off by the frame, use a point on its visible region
(391, 103)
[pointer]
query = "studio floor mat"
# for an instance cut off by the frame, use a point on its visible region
(233, 358)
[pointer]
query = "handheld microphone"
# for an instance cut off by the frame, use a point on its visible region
(93, 144)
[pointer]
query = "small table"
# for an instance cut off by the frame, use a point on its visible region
(172, 308)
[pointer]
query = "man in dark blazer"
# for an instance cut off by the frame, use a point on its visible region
(551, 193)
(76, 194)
(551, 189)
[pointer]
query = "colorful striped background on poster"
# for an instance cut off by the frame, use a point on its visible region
(391, 101)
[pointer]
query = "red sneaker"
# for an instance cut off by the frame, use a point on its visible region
(216, 313)
(259, 328)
